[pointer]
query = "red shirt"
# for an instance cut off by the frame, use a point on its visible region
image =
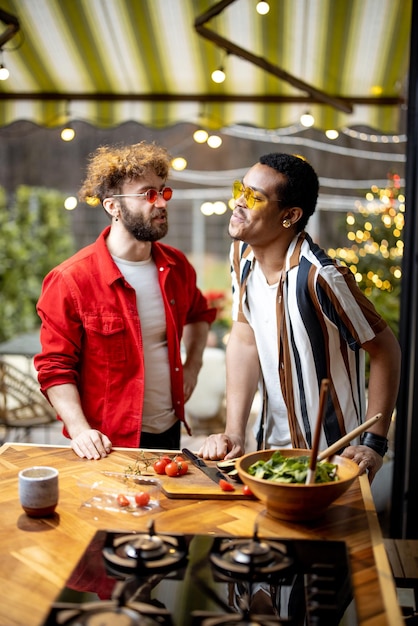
(91, 334)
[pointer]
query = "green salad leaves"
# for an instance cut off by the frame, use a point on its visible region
(283, 469)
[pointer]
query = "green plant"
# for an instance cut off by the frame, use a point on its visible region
(35, 236)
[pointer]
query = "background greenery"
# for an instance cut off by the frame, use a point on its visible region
(34, 237)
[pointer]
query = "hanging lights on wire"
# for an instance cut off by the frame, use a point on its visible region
(307, 120)
(218, 76)
(4, 72)
(262, 8)
(68, 133)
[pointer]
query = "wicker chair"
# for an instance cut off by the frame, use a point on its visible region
(22, 405)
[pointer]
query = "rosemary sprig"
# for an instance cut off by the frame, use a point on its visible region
(141, 464)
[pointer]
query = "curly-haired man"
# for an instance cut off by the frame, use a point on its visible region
(114, 315)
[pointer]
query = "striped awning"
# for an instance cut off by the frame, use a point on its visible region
(150, 61)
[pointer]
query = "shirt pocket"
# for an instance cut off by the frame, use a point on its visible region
(105, 337)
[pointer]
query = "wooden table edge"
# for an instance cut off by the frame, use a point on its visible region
(386, 581)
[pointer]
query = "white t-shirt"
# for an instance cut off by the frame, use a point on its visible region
(261, 314)
(158, 414)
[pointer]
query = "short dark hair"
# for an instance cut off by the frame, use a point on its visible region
(302, 185)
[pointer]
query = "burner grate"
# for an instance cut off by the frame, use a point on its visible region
(142, 553)
(136, 579)
(259, 560)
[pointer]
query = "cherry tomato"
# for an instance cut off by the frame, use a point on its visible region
(122, 500)
(179, 459)
(172, 469)
(247, 491)
(226, 486)
(183, 467)
(160, 465)
(142, 498)
(166, 458)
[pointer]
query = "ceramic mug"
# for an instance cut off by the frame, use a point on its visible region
(38, 490)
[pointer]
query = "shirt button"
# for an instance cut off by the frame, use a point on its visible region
(172, 301)
(177, 369)
(161, 269)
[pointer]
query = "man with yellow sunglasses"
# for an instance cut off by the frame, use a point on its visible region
(299, 318)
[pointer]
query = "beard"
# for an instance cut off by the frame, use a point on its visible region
(140, 227)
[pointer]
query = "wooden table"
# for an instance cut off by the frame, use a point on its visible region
(37, 556)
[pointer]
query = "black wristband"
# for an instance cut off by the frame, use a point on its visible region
(376, 442)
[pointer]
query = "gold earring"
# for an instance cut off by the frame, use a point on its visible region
(286, 223)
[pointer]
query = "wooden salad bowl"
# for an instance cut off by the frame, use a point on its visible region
(294, 501)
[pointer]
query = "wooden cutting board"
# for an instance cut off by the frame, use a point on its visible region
(194, 485)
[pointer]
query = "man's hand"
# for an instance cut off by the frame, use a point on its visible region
(222, 446)
(91, 444)
(366, 458)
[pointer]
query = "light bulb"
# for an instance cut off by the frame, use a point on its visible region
(206, 208)
(262, 8)
(219, 207)
(200, 136)
(218, 76)
(307, 120)
(332, 134)
(70, 203)
(67, 134)
(179, 164)
(214, 141)
(4, 73)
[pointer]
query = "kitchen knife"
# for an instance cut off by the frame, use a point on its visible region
(211, 472)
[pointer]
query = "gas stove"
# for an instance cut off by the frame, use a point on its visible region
(158, 579)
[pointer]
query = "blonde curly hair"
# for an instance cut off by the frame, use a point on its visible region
(110, 166)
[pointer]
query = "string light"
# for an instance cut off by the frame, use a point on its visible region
(70, 203)
(218, 76)
(262, 7)
(67, 133)
(200, 136)
(373, 138)
(213, 208)
(219, 207)
(307, 120)
(179, 164)
(206, 208)
(332, 134)
(275, 135)
(214, 141)
(4, 72)
(375, 255)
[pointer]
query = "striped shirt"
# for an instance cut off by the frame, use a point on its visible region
(323, 319)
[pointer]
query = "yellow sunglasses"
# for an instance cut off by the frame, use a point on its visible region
(238, 190)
